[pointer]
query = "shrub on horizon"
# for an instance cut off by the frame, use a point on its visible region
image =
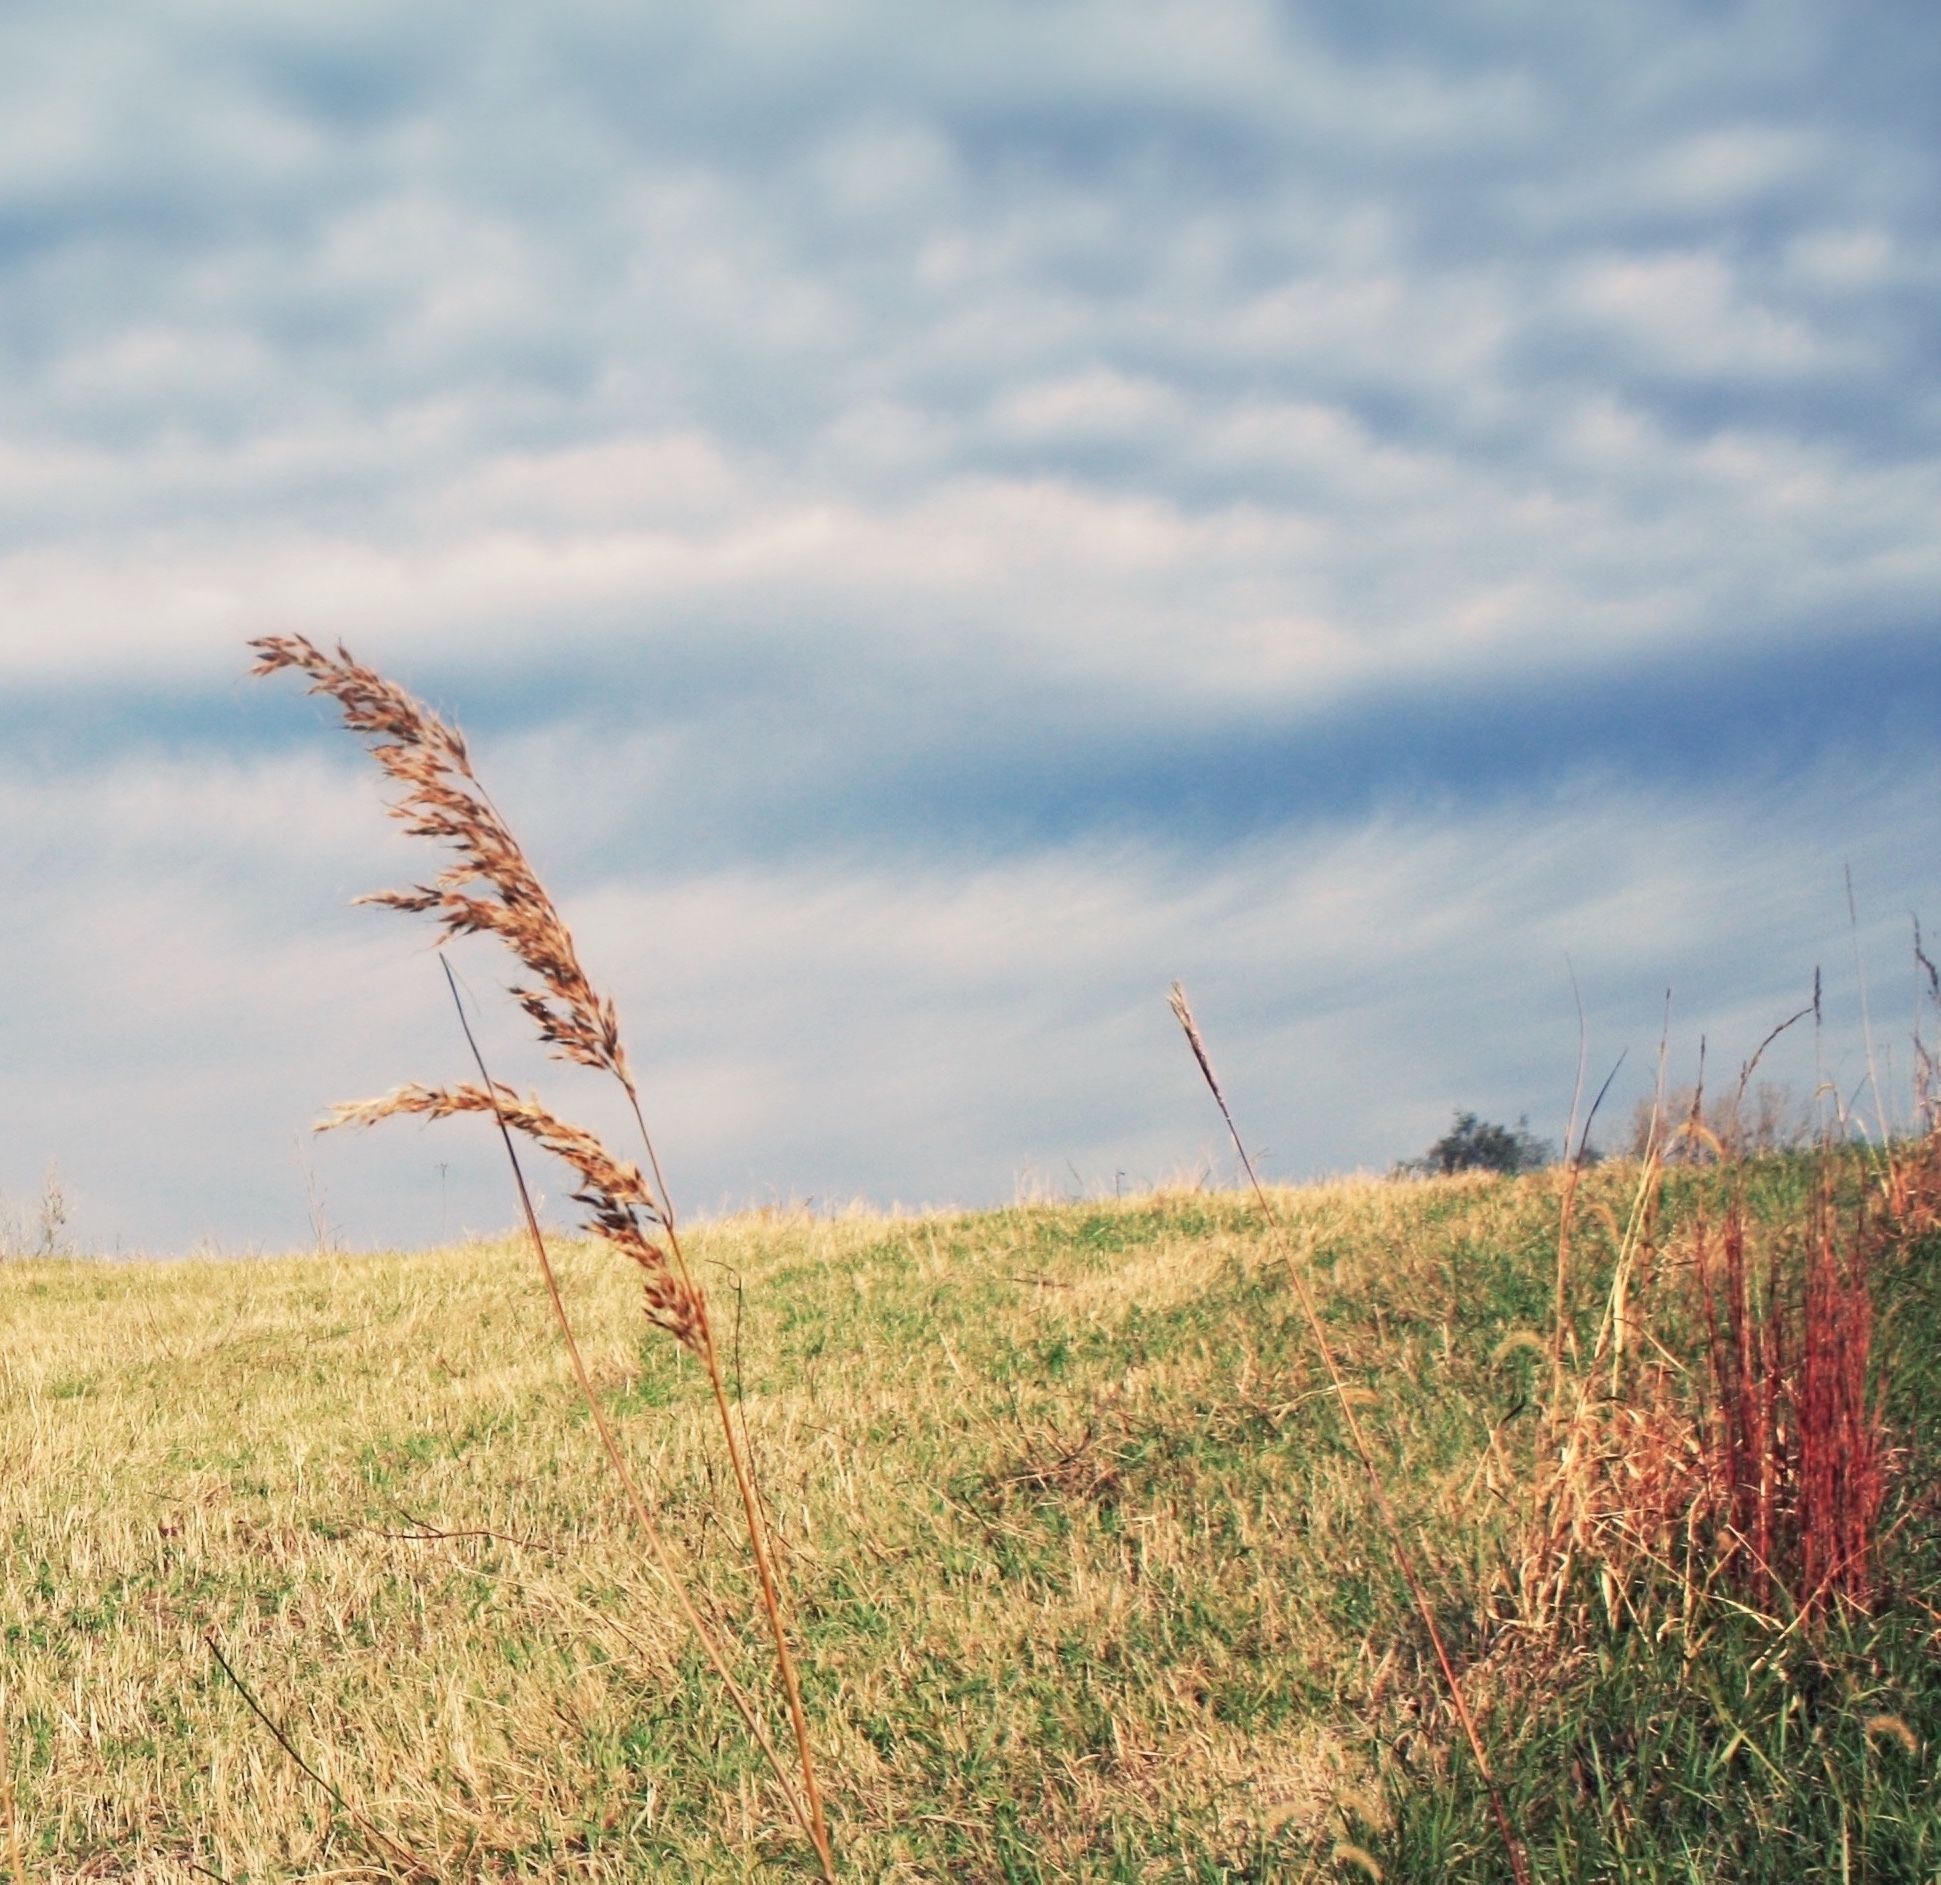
(1475, 1144)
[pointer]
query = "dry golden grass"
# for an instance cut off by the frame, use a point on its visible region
(1069, 1557)
(1087, 1582)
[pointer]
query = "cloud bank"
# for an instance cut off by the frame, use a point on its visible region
(939, 527)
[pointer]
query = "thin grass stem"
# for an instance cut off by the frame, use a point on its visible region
(643, 1515)
(1378, 1492)
(401, 1855)
(16, 1858)
(753, 1510)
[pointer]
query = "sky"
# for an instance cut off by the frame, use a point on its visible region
(938, 522)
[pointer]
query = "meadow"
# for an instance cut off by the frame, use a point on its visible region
(1570, 1525)
(1085, 1578)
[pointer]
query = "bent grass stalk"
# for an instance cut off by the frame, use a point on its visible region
(502, 1107)
(1378, 1493)
(401, 1855)
(491, 889)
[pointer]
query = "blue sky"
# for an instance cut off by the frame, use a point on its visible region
(938, 522)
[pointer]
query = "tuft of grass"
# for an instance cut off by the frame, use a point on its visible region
(1720, 1597)
(1796, 1458)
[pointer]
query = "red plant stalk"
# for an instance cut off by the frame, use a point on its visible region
(1797, 1456)
(1839, 1434)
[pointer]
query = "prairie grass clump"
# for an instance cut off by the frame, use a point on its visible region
(491, 889)
(1708, 1651)
(1724, 1432)
(1796, 1452)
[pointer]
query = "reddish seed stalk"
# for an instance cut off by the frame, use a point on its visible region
(492, 889)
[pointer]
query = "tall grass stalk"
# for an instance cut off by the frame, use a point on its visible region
(1797, 1454)
(1742, 1448)
(492, 889)
(1378, 1492)
(609, 1442)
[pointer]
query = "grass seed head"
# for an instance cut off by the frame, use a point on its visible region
(613, 1190)
(492, 888)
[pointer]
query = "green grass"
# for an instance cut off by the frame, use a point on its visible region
(1084, 1578)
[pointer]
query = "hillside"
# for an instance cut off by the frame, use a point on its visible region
(1086, 1583)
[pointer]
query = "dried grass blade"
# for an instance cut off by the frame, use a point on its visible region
(442, 800)
(15, 1857)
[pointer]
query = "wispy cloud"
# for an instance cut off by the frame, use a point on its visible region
(847, 1027)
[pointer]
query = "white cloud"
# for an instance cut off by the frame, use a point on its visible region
(1351, 562)
(1095, 403)
(1726, 167)
(1685, 310)
(1844, 259)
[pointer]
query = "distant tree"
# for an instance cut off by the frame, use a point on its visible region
(1474, 1144)
(35, 1231)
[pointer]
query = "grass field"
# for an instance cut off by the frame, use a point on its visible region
(1085, 1581)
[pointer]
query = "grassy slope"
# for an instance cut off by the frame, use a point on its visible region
(1085, 1582)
